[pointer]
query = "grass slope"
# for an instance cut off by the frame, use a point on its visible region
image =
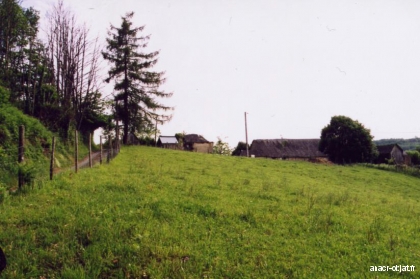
(38, 140)
(155, 213)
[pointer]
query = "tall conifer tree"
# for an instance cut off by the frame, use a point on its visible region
(136, 86)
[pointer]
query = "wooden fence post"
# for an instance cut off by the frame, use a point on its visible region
(100, 154)
(90, 150)
(76, 151)
(156, 133)
(109, 149)
(112, 148)
(117, 137)
(21, 153)
(52, 159)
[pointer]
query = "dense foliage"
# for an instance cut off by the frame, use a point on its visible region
(241, 146)
(55, 81)
(21, 54)
(347, 141)
(221, 148)
(414, 156)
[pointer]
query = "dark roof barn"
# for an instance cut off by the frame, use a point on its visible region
(386, 152)
(194, 138)
(197, 143)
(286, 148)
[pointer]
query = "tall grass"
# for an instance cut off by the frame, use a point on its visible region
(409, 170)
(38, 141)
(156, 213)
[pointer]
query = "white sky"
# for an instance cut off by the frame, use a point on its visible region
(291, 65)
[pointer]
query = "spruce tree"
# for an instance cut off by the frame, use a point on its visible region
(136, 85)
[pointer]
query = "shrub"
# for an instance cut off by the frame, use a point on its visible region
(28, 171)
(415, 156)
(4, 95)
(4, 195)
(345, 140)
(241, 146)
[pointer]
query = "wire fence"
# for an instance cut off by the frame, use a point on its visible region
(410, 170)
(14, 161)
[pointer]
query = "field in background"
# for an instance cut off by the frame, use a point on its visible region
(155, 213)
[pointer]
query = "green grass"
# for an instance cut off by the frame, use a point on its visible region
(155, 213)
(38, 140)
(408, 170)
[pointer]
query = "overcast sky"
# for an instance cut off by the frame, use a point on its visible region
(291, 65)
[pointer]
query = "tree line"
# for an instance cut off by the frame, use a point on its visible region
(58, 81)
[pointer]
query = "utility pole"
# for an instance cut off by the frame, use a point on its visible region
(246, 137)
(117, 136)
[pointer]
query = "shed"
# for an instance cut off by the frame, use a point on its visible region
(197, 143)
(169, 142)
(132, 139)
(303, 149)
(388, 152)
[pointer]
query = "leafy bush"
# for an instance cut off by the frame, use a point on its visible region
(415, 157)
(390, 161)
(4, 195)
(11, 118)
(345, 140)
(237, 151)
(221, 148)
(4, 95)
(5, 135)
(28, 170)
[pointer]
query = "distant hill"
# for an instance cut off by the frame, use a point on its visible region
(406, 144)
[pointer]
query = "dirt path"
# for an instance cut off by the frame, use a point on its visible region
(84, 163)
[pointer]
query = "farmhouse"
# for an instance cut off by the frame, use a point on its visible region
(169, 142)
(391, 151)
(197, 143)
(303, 149)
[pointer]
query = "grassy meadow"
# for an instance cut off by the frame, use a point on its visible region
(155, 213)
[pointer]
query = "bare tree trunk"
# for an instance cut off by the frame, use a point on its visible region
(74, 61)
